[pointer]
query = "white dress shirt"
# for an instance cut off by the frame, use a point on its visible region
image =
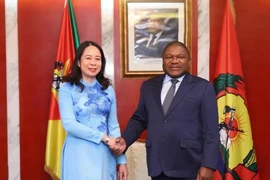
(167, 84)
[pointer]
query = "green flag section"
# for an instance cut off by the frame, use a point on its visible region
(68, 42)
(237, 158)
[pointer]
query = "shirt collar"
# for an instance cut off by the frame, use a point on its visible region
(168, 78)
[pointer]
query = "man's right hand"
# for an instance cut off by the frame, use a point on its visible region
(120, 146)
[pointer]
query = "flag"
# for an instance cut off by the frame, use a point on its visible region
(68, 42)
(237, 158)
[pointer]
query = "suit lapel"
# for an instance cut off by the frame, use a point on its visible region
(157, 92)
(184, 87)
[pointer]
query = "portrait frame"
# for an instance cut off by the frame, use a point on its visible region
(135, 65)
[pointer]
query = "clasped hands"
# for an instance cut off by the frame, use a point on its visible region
(117, 145)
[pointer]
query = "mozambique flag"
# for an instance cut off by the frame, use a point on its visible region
(68, 41)
(237, 159)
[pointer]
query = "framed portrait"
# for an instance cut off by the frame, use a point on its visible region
(147, 26)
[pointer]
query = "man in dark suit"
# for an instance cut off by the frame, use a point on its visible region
(179, 111)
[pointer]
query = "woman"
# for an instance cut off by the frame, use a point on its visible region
(87, 106)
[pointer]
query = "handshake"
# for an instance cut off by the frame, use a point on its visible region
(116, 145)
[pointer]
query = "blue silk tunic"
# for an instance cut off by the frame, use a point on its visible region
(86, 116)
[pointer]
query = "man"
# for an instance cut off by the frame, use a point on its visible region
(179, 111)
(150, 42)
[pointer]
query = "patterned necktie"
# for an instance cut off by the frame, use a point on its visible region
(169, 96)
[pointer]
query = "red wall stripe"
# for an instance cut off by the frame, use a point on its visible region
(216, 16)
(38, 32)
(88, 16)
(194, 37)
(252, 26)
(3, 96)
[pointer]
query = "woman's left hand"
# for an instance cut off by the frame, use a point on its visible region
(122, 172)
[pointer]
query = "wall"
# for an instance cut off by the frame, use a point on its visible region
(252, 26)
(38, 37)
(3, 96)
(38, 32)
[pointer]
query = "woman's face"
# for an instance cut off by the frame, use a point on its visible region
(90, 63)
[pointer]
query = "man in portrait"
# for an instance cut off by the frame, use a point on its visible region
(154, 30)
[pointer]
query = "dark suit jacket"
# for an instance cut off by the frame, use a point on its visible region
(184, 139)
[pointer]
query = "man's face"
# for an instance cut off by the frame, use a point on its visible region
(155, 25)
(176, 61)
